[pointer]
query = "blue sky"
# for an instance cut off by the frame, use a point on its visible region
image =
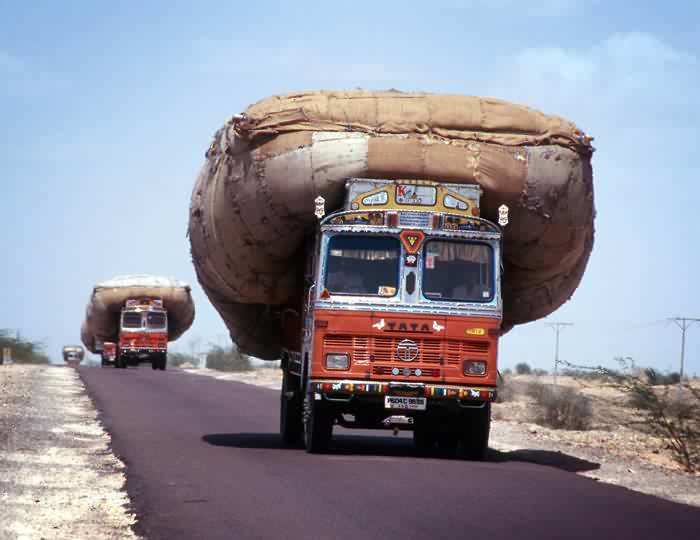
(107, 111)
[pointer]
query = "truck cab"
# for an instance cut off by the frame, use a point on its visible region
(143, 333)
(73, 355)
(401, 317)
(108, 353)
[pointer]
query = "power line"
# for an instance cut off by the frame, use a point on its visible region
(683, 323)
(557, 327)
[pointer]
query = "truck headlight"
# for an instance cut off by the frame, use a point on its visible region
(337, 361)
(474, 367)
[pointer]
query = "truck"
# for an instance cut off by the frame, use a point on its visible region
(108, 353)
(73, 355)
(400, 319)
(143, 334)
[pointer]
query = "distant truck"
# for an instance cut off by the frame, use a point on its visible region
(73, 355)
(108, 352)
(400, 323)
(143, 335)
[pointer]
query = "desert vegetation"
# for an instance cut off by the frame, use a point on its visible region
(24, 351)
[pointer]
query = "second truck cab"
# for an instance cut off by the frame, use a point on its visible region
(400, 323)
(143, 333)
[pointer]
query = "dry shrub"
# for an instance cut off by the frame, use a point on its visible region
(672, 413)
(506, 390)
(561, 407)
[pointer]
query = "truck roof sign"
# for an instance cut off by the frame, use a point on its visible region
(407, 195)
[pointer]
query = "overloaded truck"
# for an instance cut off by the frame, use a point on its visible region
(400, 327)
(130, 319)
(440, 223)
(73, 355)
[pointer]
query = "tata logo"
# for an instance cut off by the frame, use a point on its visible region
(403, 326)
(407, 350)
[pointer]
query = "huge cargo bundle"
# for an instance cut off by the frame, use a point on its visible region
(102, 313)
(254, 197)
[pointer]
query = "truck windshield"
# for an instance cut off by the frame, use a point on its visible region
(363, 265)
(132, 319)
(458, 271)
(156, 320)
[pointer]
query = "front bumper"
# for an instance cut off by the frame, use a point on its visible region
(343, 388)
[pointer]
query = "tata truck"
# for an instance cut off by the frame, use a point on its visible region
(400, 321)
(73, 355)
(108, 353)
(143, 334)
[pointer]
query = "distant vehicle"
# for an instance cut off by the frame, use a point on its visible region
(73, 355)
(400, 325)
(143, 334)
(108, 351)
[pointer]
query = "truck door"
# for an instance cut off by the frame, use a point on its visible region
(310, 292)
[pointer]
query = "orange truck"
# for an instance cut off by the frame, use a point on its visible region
(143, 335)
(400, 323)
(108, 352)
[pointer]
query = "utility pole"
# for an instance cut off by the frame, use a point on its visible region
(557, 327)
(683, 323)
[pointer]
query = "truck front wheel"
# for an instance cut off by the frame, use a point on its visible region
(318, 425)
(474, 438)
(291, 423)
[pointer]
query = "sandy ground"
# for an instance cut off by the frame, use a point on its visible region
(58, 477)
(611, 452)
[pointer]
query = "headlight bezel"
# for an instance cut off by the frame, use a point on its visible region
(473, 362)
(342, 361)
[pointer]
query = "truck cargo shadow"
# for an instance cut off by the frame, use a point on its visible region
(397, 446)
(559, 460)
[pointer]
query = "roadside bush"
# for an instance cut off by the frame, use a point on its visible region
(540, 372)
(178, 359)
(523, 368)
(535, 390)
(507, 371)
(227, 359)
(561, 407)
(655, 378)
(671, 413)
(23, 351)
(505, 390)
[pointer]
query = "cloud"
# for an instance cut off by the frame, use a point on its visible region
(629, 79)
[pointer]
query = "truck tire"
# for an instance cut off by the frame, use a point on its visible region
(291, 410)
(155, 362)
(163, 361)
(474, 438)
(318, 425)
(120, 362)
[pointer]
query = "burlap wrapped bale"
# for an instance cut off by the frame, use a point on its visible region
(108, 298)
(253, 199)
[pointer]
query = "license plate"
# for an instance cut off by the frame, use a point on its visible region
(401, 402)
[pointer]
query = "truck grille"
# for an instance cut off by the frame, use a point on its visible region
(424, 372)
(383, 349)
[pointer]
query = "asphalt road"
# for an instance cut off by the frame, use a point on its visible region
(204, 460)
